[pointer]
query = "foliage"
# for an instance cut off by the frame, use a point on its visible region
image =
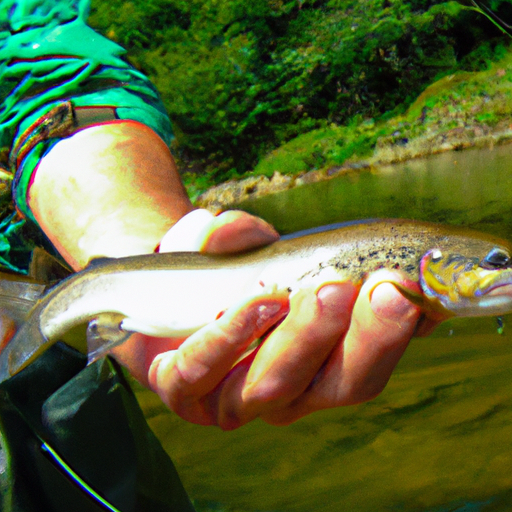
(475, 102)
(241, 78)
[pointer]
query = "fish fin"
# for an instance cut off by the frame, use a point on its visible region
(432, 309)
(103, 334)
(416, 298)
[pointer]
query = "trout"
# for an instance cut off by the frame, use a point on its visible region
(461, 273)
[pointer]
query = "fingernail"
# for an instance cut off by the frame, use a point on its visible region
(337, 295)
(153, 372)
(327, 292)
(388, 303)
(258, 316)
(266, 311)
(331, 292)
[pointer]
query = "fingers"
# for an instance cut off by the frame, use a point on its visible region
(230, 232)
(383, 323)
(235, 231)
(290, 357)
(359, 367)
(330, 350)
(184, 378)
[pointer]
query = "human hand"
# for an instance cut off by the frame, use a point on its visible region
(331, 349)
(335, 347)
(229, 232)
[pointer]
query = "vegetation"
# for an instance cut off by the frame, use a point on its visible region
(240, 79)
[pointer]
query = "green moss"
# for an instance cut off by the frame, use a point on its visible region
(303, 153)
(466, 99)
(196, 184)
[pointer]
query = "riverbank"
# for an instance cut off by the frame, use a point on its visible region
(459, 111)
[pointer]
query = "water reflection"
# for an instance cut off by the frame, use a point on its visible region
(439, 438)
(471, 188)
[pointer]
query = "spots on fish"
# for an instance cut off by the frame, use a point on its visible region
(407, 252)
(469, 265)
(362, 258)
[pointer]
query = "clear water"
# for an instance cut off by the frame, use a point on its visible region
(439, 438)
(470, 188)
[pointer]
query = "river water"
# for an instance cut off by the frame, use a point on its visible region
(439, 438)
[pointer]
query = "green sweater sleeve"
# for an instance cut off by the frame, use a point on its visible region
(50, 56)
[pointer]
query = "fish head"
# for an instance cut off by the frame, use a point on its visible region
(462, 285)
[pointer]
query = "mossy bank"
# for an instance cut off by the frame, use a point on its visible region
(461, 110)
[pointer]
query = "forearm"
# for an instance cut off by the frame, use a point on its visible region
(109, 190)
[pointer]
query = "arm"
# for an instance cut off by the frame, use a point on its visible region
(113, 190)
(109, 190)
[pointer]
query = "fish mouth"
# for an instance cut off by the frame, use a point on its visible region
(493, 296)
(495, 282)
(500, 290)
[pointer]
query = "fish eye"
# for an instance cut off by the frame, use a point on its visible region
(436, 255)
(496, 258)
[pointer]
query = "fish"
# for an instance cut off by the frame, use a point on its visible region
(461, 272)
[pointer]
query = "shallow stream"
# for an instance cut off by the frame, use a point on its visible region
(439, 438)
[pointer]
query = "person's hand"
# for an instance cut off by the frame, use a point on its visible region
(336, 346)
(229, 232)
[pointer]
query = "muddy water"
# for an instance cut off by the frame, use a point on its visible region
(439, 438)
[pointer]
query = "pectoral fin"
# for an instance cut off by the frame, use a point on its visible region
(415, 297)
(103, 334)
